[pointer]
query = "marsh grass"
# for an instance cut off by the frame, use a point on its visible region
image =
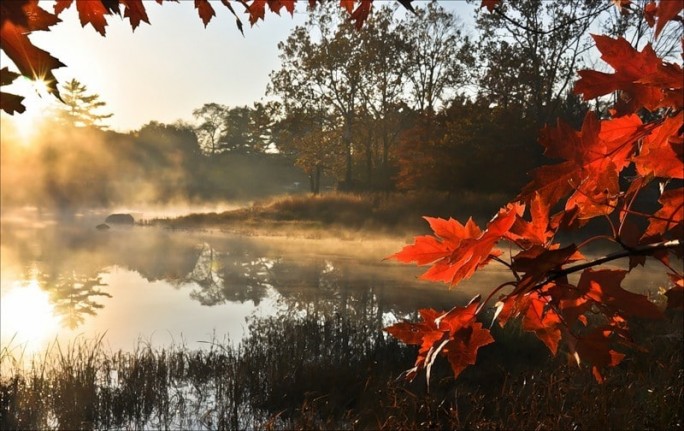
(385, 213)
(337, 373)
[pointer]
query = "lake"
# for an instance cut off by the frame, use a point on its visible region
(207, 329)
(65, 279)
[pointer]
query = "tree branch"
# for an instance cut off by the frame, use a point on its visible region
(636, 251)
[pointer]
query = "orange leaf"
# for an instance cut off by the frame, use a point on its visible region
(675, 295)
(594, 157)
(642, 76)
(457, 250)
(455, 334)
(662, 152)
(670, 217)
(30, 60)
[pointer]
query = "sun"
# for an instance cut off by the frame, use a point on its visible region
(39, 105)
(27, 316)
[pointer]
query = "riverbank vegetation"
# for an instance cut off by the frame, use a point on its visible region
(368, 213)
(333, 372)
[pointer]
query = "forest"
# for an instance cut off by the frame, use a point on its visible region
(414, 102)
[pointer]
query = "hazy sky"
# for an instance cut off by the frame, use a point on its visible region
(165, 70)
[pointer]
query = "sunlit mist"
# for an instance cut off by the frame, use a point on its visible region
(39, 107)
(28, 318)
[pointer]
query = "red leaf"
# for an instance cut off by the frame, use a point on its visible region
(462, 350)
(454, 334)
(360, 15)
(257, 10)
(347, 5)
(535, 231)
(30, 60)
(667, 10)
(543, 321)
(594, 348)
(603, 287)
(594, 157)
(92, 12)
(662, 152)
(135, 12)
(61, 5)
(642, 76)
(205, 11)
(457, 250)
(669, 217)
(490, 4)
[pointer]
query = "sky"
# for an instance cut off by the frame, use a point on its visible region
(165, 70)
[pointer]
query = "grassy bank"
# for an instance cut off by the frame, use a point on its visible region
(335, 373)
(383, 213)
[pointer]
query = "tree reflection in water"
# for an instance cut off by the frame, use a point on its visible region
(236, 276)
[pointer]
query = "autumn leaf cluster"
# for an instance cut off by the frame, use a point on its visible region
(603, 170)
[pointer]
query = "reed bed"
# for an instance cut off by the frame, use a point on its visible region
(336, 373)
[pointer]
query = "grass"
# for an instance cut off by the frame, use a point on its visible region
(395, 213)
(334, 372)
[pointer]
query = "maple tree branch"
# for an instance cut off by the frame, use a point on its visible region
(635, 251)
(553, 29)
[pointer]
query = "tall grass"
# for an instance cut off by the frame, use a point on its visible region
(387, 213)
(335, 373)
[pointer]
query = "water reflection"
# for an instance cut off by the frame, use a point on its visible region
(190, 283)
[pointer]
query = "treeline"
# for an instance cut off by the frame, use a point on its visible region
(67, 167)
(411, 102)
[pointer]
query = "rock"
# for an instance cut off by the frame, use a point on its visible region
(102, 226)
(120, 219)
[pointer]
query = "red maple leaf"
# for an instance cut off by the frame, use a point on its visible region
(205, 11)
(536, 231)
(669, 218)
(603, 288)
(135, 11)
(594, 158)
(594, 348)
(667, 10)
(662, 151)
(457, 250)
(455, 334)
(646, 81)
(360, 14)
(490, 4)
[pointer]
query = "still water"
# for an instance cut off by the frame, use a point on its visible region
(65, 279)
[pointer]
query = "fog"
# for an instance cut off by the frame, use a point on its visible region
(64, 169)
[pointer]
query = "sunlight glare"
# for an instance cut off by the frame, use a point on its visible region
(27, 316)
(39, 105)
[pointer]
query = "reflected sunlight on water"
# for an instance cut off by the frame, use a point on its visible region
(27, 316)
